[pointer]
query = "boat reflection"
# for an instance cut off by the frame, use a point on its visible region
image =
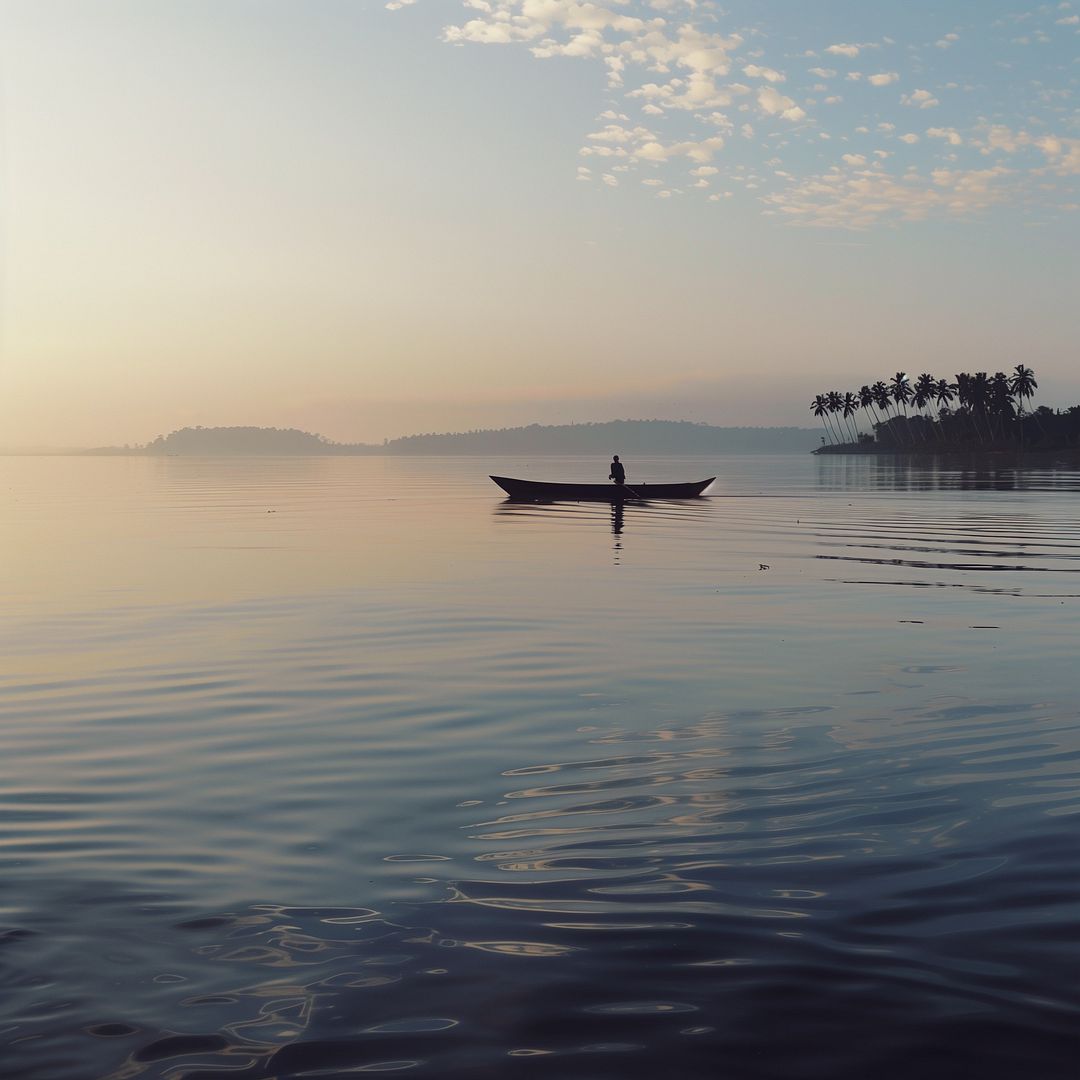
(653, 515)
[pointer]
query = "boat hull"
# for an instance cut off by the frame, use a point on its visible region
(538, 491)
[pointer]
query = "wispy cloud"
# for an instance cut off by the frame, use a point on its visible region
(920, 99)
(861, 198)
(688, 87)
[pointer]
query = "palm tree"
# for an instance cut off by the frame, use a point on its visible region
(1023, 386)
(979, 395)
(964, 397)
(922, 394)
(882, 400)
(944, 393)
(866, 401)
(900, 390)
(820, 407)
(851, 405)
(1001, 402)
(836, 404)
(901, 393)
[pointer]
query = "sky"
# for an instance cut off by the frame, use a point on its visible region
(370, 219)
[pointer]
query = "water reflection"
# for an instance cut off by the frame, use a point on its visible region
(672, 894)
(617, 516)
(881, 472)
(654, 515)
(429, 787)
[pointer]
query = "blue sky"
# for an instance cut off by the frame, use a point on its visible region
(833, 115)
(369, 219)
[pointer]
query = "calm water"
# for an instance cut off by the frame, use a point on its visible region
(320, 768)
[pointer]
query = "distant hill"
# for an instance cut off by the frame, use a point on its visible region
(614, 437)
(241, 442)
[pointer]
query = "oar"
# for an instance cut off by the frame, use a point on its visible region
(627, 487)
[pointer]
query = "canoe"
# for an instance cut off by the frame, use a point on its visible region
(538, 491)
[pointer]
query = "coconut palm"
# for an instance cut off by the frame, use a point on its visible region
(882, 400)
(1001, 401)
(851, 407)
(921, 395)
(964, 398)
(820, 407)
(866, 402)
(900, 392)
(836, 405)
(944, 393)
(1023, 386)
(979, 396)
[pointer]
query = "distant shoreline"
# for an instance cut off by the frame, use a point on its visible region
(634, 437)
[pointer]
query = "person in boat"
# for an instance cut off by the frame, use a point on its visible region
(618, 473)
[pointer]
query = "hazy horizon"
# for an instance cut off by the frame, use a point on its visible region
(372, 220)
(402, 437)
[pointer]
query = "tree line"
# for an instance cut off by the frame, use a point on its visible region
(615, 436)
(969, 411)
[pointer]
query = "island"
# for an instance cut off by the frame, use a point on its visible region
(616, 436)
(970, 414)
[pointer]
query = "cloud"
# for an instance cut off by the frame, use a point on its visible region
(695, 151)
(676, 63)
(616, 133)
(1061, 154)
(951, 134)
(869, 197)
(774, 103)
(920, 99)
(1000, 137)
(755, 72)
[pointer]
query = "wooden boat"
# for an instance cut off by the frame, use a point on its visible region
(538, 491)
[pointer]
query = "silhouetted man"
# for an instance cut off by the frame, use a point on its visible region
(618, 473)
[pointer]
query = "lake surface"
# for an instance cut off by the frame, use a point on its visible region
(328, 767)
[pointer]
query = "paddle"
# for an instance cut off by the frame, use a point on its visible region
(627, 487)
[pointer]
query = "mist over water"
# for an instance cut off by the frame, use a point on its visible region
(322, 767)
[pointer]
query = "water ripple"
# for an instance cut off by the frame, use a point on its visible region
(401, 778)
